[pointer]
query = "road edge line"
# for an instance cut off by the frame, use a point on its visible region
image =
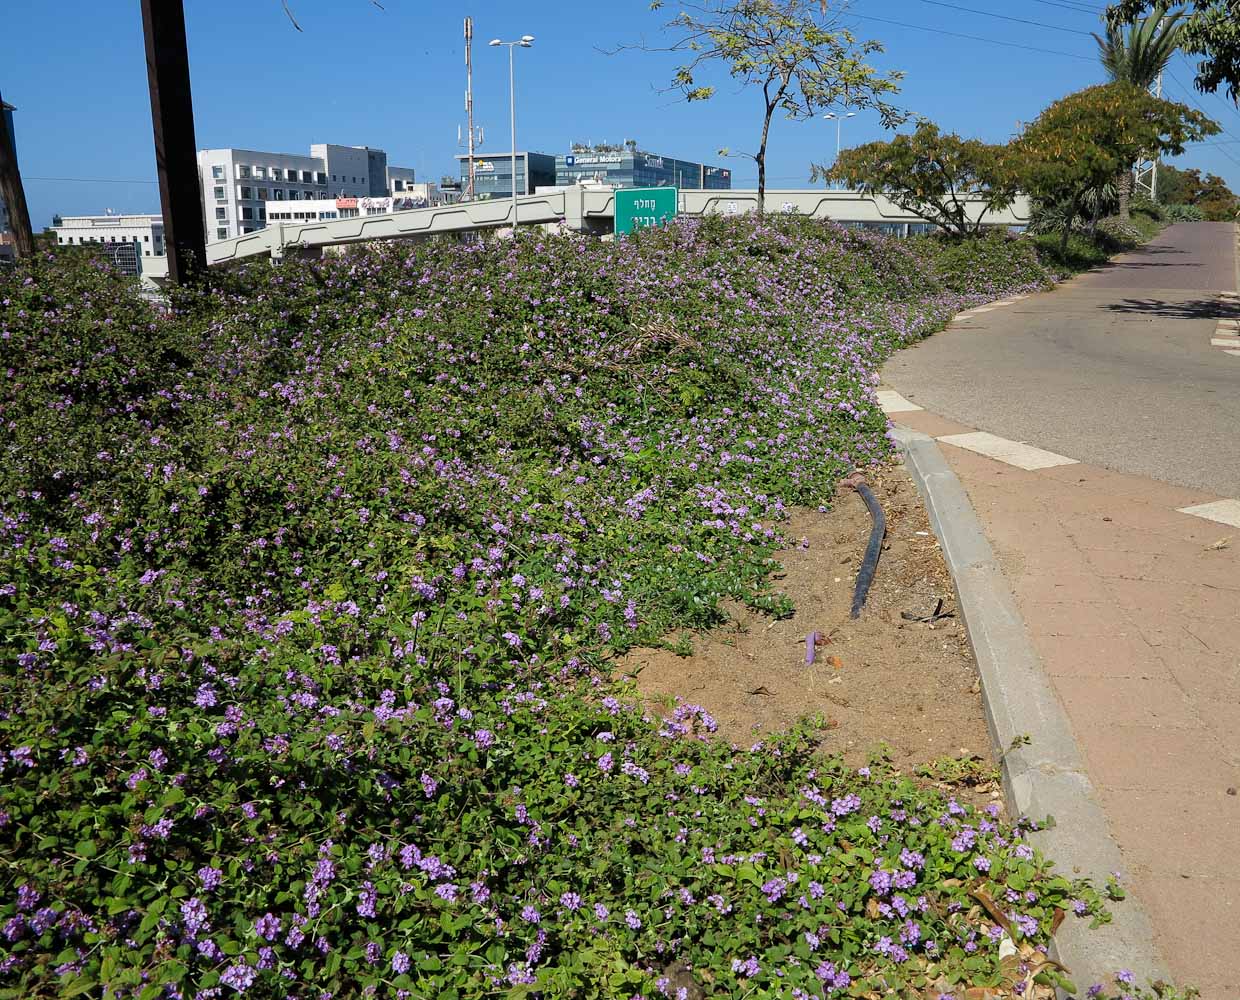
(1045, 776)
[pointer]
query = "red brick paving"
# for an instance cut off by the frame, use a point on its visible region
(1136, 615)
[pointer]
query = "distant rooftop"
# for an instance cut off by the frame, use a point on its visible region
(129, 218)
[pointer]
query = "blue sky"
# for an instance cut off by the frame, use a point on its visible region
(394, 78)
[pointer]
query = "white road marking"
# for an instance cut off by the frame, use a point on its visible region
(892, 402)
(1222, 511)
(1023, 456)
(1225, 341)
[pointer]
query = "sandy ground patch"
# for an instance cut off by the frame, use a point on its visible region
(881, 682)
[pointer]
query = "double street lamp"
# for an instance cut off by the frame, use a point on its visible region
(525, 41)
(839, 120)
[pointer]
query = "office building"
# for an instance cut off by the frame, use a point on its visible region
(127, 239)
(236, 184)
(327, 209)
(400, 179)
(6, 238)
(493, 173)
(627, 166)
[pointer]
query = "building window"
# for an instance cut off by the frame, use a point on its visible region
(307, 176)
(292, 194)
(146, 239)
(333, 178)
(247, 193)
(262, 211)
(247, 213)
(260, 172)
(262, 194)
(217, 172)
(221, 213)
(279, 194)
(243, 172)
(398, 185)
(321, 177)
(290, 175)
(219, 194)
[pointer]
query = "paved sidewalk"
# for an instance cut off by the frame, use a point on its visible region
(1134, 609)
(1132, 603)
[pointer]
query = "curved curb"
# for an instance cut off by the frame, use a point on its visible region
(1043, 770)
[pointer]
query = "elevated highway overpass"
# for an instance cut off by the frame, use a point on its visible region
(585, 209)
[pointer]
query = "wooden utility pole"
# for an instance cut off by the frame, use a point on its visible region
(12, 192)
(176, 153)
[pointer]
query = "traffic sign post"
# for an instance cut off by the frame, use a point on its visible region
(643, 208)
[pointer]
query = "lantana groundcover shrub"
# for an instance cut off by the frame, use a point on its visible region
(308, 592)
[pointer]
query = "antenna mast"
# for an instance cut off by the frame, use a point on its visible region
(469, 102)
(1145, 175)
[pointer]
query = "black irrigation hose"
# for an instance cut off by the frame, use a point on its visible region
(865, 575)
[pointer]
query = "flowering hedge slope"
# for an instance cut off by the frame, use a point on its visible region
(306, 598)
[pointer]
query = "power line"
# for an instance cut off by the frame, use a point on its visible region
(972, 38)
(1005, 17)
(1185, 92)
(1076, 8)
(1229, 106)
(86, 180)
(1189, 94)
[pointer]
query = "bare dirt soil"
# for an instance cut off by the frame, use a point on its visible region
(905, 688)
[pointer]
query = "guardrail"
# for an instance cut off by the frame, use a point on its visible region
(584, 209)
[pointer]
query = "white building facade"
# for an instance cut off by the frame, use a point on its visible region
(238, 184)
(128, 239)
(419, 195)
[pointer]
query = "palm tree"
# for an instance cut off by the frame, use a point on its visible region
(1137, 57)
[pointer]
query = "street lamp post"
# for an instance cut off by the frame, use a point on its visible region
(525, 41)
(839, 120)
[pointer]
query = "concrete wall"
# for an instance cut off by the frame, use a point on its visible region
(585, 210)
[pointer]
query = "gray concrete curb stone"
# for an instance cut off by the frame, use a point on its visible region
(1046, 775)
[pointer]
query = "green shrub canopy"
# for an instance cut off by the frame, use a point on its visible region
(307, 597)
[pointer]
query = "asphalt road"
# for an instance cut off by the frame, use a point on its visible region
(1113, 368)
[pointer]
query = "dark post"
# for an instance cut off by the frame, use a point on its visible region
(11, 191)
(176, 154)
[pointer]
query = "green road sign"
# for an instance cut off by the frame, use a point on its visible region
(641, 208)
